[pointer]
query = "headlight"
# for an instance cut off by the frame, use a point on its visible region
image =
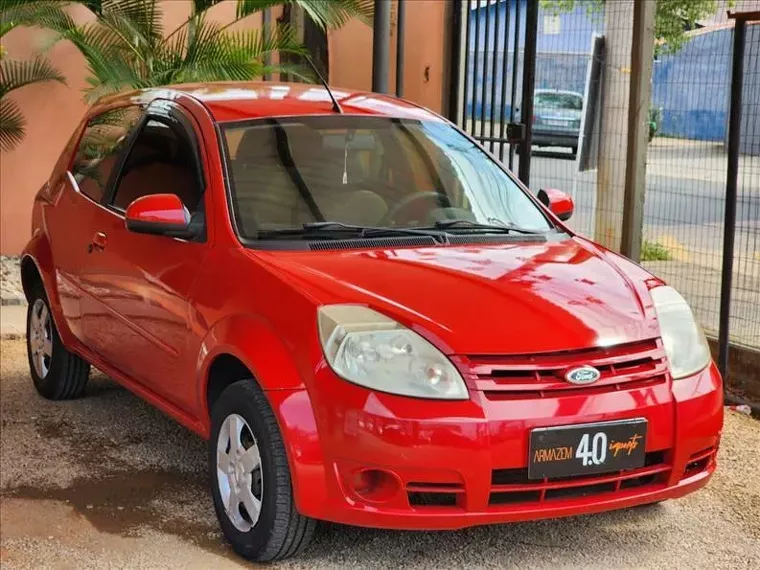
(685, 343)
(372, 350)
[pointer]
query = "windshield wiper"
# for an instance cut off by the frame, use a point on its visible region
(471, 225)
(329, 227)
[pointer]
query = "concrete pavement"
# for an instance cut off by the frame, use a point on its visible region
(12, 321)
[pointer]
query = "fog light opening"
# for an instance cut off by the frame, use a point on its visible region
(375, 485)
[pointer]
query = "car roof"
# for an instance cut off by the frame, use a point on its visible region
(235, 101)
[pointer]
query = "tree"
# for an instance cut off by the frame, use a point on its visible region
(15, 74)
(126, 47)
(673, 18)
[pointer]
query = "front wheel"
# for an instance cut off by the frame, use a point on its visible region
(250, 478)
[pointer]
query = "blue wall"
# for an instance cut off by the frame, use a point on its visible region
(692, 87)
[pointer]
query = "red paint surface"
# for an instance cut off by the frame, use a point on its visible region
(154, 312)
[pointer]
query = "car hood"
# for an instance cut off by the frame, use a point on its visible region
(513, 298)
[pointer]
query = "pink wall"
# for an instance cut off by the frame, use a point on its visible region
(351, 54)
(53, 110)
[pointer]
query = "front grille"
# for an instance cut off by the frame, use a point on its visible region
(434, 494)
(628, 366)
(512, 486)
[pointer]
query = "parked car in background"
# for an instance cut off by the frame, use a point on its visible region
(557, 118)
(370, 320)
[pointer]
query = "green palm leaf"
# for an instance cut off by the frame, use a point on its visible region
(324, 13)
(11, 124)
(16, 74)
(40, 13)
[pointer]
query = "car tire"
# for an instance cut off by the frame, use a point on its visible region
(243, 427)
(57, 373)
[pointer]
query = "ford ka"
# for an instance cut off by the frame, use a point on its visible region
(366, 315)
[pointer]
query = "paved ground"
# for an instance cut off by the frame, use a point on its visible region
(107, 481)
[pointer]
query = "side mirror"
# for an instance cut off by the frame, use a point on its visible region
(159, 214)
(560, 204)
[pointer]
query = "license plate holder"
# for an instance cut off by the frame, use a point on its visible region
(587, 449)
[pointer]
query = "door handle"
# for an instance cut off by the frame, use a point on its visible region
(99, 241)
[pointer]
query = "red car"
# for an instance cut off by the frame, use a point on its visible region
(368, 318)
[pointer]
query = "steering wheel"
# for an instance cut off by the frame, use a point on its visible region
(441, 200)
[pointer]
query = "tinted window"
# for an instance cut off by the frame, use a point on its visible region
(161, 161)
(368, 171)
(101, 144)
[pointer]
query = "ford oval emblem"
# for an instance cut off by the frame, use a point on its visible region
(583, 375)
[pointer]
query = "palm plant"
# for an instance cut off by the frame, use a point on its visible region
(127, 46)
(15, 74)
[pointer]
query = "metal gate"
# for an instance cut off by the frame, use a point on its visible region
(493, 76)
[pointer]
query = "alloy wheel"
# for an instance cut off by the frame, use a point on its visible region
(41, 338)
(239, 472)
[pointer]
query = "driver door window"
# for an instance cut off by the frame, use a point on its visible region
(162, 160)
(137, 318)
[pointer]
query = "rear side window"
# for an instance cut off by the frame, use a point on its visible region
(101, 144)
(559, 101)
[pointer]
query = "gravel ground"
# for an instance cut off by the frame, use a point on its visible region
(107, 481)
(11, 290)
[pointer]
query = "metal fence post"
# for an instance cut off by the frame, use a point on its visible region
(381, 39)
(400, 25)
(729, 226)
(528, 87)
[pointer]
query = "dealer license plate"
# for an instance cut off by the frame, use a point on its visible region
(587, 449)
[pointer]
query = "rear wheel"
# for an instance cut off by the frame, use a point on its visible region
(57, 373)
(250, 478)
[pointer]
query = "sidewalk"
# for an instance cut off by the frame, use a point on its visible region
(12, 321)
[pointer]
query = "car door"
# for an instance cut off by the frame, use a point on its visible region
(137, 320)
(80, 190)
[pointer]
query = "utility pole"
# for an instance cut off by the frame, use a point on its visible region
(613, 134)
(381, 46)
(640, 94)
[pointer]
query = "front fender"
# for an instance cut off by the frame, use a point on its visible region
(252, 341)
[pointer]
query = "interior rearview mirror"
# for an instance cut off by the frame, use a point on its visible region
(160, 214)
(560, 203)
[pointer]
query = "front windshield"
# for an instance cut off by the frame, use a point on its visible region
(368, 171)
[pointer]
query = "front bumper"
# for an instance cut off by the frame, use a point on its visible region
(458, 464)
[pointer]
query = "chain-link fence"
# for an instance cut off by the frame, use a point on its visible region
(686, 159)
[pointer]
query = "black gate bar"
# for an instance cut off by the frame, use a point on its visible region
(504, 62)
(729, 224)
(515, 61)
(528, 87)
(484, 83)
(494, 53)
(474, 72)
